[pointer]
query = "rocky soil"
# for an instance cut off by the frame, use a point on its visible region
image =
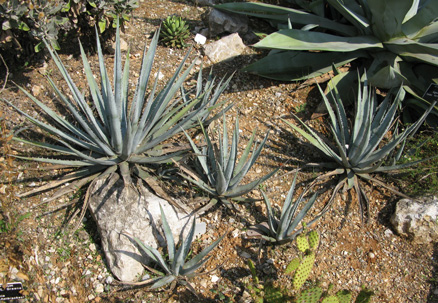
(55, 264)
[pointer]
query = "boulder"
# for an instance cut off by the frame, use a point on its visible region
(225, 48)
(135, 210)
(417, 219)
(220, 22)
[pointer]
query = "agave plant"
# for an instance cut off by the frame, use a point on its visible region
(176, 266)
(360, 151)
(396, 41)
(115, 133)
(282, 230)
(175, 32)
(219, 173)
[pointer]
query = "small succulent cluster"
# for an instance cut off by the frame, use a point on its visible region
(174, 32)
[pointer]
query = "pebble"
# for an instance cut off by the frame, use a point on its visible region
(92, 247)
(214, 278)
(388, 233)
(109, 280)
(91, 297)
(245, 255)
(99, 288)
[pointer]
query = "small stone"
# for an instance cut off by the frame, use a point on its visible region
(36, 90)
(86, 272)
(200, 228)
(388, 233)
(160, 75)
(203, 283)
(99, 288)
(224, 49)
(91, 297)
(92, 247)
(109, 280)
(245, 255)
(200, 39)
(214, 278)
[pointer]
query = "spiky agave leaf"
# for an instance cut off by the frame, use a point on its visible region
(176, 267)
(113, 131)
(219, 172)
(360, 151)
(282, 230)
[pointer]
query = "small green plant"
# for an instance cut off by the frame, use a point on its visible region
(5, 227)
(115, 134)
(282, 230)
(174, 32)
(301, 267)
(423, 178)
(219, 172)
(25, 24)
(221, 296)
(300, 108)
(307, 244)
(357, 152)
(265, 291)
(176, 266)
(104, 13)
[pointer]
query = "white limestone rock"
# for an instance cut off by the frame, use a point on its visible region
(135, 210)
(417, 219)
(224, 49)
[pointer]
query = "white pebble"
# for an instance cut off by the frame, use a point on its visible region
(99, 288)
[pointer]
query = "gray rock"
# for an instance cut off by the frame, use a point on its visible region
(134, 210)
(123, 46)
(220, 22)
(225, 48)
(417, 219)
(206, 2)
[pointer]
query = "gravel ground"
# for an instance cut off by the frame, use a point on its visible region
(54, 264)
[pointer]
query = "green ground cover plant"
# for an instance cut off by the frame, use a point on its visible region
(25, 24)
(423, 178)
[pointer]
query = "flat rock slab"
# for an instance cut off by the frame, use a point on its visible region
(225, 48)
(135, 210)
(417, 219)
